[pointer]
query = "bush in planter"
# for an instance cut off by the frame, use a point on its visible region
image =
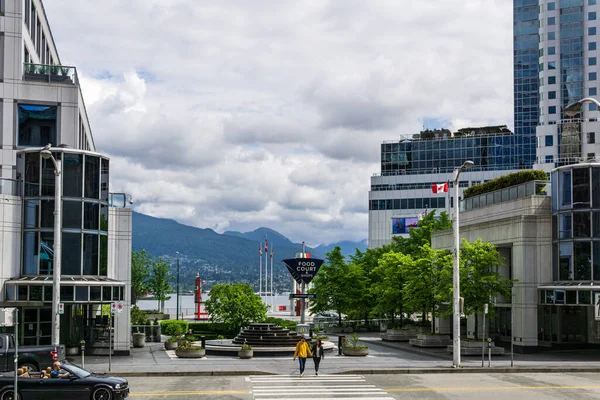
(352, 348)
(71, 346)
(170, 327)
(188, 350)
(245, 351)
(171, 343)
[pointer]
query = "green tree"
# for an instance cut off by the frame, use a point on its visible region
(388, 287)
(479, 277)
(235, 305)
(338, 286)
(141, 263)
(159, 282)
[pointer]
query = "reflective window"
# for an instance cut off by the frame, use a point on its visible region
(551, 80)
(95, 293)
(71, 253)
(565, 269)
(551, 20)
(592, 30)
(81, 293)
(581, 187)
(565, 186)
(91, 212)
(551, 50)
(35, 293)
(104, 217)
(565, 226)
(549, 140)
(103, 255)
(71, 214)
(596, 189)
(551, 35)
(592, 91)
(552, 110)
(592, 76)
(551, 6)
(31, 209)
(37, 125)
(592, 15)
(30, 253)
(48, 176)
(592, 46)
(552, 95)
(90, 254)
(581, 224)
(596, 255)
(104, 180)
(591, 60)
(73, 167)
(106, 293)
(46, 253)
(582, 258)
(66, 293)
(47, 213)
(32, 174)
(92, 177)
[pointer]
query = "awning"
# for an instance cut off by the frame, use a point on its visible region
(38, 289)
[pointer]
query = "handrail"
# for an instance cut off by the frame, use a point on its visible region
(527, 189)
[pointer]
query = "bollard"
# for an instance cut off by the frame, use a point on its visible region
(340, 344)
(203, 341)
(310, 332)
(82, 343)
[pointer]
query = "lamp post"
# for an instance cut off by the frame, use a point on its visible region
(575, 108)
(56, 271)
(456, 273)
(177, 306)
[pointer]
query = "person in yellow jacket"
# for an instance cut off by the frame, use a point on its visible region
(302, 352)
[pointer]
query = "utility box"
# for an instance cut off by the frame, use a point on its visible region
(7, 317)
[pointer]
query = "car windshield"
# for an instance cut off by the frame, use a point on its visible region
(74, 369)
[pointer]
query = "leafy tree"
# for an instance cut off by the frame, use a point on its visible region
(159, 282)
(422, 235)
(388, 288)
(339, 286)
(235, 305)
(479, 278)
(141, 263)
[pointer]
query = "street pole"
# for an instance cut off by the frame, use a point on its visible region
(512, 328)
(177, 306)
(303, 304)
(16, 391)
(47, 155)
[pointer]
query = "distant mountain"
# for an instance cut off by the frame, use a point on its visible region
(348, 247)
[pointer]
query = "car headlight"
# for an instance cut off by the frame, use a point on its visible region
(119, 386)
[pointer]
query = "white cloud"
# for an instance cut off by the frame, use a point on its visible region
(235, 115)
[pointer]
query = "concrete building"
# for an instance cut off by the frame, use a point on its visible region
(409, 168)
(42, 103)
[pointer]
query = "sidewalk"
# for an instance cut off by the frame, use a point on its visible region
(384, 358)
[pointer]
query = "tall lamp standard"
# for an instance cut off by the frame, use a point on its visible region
(456, 273)
(575, 108)
(177, 306)
(56, 271)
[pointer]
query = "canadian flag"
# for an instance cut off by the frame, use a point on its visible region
(439, 187)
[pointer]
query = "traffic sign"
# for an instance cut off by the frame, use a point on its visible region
(303, 270)
(61, 308)
(119, 307)
(113, 308)
(303, 296)
(485, 308)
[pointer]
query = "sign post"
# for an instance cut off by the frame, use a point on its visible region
(16, 391)
(485, 311)
(303, 270)
(489, 351)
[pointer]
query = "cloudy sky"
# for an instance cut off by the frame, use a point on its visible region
(233, 115)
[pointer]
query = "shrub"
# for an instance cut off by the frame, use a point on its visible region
(138, 317)
(187, 345)
(246, 346)
(284, 323)
(505, 181)
(172, 339)
(352, 341)
(173, 327)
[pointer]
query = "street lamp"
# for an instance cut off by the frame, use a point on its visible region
(177, 306)
(575, 108)
(47, 155)
(456, 273)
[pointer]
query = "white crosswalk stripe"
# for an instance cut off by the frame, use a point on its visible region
(322, 387)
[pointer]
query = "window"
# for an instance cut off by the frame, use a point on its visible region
(592, 76)
(591, 156)
(551, 80)
(552, 95)
(541, 52)
(541, 67)
(592, 107)
(551, 35)
(592, 91)
(591, 30)
(549, 159)
(552, 65)
(37, 125)
(549, 140)
(592, 46)
(592, 61)
(592, 15)
(591, 137)
(551, 6)
(552, 110)
(591, 2)
(552, 20)
(541, 82)
(551, 50)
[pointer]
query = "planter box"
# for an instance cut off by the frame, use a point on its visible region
(139, 339)
(355, 352)
(474, 349)
(431, 341)
(245, 354)
(170, 345)
(400, 335)
(190, 353)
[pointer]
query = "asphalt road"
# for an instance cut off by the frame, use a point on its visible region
(462, 386)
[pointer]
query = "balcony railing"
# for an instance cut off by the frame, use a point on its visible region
(50, 73)
(119, 200)
(526, 189)
(9, 187)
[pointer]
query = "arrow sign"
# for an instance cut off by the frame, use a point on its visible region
(303, 296)
(303, 270)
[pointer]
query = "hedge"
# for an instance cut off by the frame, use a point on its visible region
(169, 327)
(284, 323)
(515, 178)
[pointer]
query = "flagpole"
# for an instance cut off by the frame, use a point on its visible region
(272, 301)
(260, 272)
(266, 269)
(448, 198)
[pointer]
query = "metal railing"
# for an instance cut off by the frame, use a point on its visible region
(506, 194)
(50, 73)
(152, 332)
(10, 187)
(119, 200)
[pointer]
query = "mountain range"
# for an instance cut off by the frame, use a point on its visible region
(220, 258)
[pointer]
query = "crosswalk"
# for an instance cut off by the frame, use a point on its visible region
(322, 387)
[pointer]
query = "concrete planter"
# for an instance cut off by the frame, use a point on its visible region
(245, 354)
(170, 345)
(355, 352)
(139, 340)
(71, 351)
(190, 353)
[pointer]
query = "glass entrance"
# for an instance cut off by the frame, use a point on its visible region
(37, 326)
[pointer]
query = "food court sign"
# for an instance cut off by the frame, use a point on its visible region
(303, 270)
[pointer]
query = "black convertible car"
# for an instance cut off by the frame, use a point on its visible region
(79, 384)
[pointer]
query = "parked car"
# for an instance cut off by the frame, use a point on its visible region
(79, 384)
(34, 357)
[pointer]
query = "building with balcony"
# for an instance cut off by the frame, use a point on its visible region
(42, 104)
(410, 166)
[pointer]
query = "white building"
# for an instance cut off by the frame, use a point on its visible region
(41, 103)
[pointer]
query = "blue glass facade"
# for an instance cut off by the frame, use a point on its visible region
(526, 81)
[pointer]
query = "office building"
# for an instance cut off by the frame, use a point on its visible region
(42, 104)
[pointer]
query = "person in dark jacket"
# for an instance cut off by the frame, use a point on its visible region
(317, 354)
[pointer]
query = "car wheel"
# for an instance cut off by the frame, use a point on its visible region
(101, 393)
(32, 368)
(9, 395)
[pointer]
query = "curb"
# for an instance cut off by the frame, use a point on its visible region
(391, 371)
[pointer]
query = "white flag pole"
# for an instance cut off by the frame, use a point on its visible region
(272, 301)
(260, 271)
